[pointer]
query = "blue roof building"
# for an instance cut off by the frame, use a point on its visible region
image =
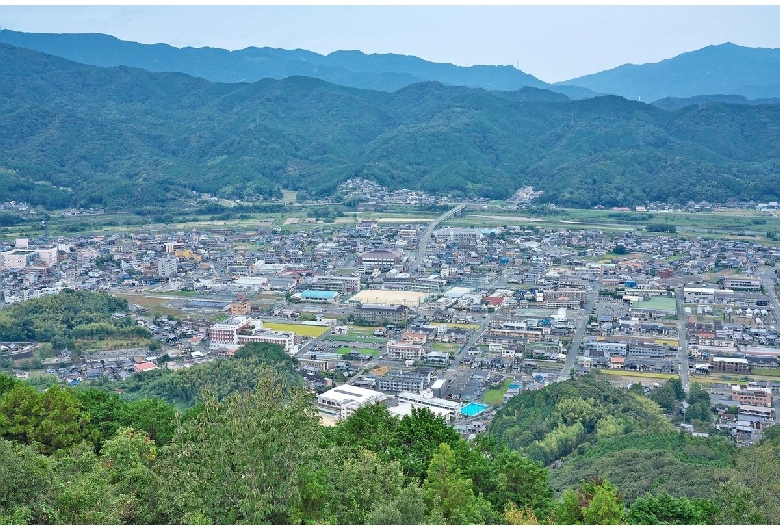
(319, 296)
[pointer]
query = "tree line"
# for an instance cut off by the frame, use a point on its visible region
(259, 454)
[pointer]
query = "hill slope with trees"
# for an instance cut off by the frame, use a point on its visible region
(78, 135)
(258, 455)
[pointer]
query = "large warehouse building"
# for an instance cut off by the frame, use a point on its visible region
(382, 297)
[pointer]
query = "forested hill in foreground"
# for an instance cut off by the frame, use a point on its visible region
(351, 68)
(251, 450)
(72, 134)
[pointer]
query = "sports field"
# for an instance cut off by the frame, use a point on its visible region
(299, 329)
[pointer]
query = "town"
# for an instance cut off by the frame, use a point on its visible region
(420, 312)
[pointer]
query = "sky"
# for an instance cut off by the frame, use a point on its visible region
(553, 43)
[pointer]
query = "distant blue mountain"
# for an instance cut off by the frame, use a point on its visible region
(387, 72)
(722, 69)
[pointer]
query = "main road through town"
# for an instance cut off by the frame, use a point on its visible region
(580, 332)
(768, 283)
(423, 244)
(682, 335)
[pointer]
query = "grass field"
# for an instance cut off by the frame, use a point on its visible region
(154, 304)
(365, 351)
(495, 396)
(445, 346)
(181, 294)
(705, 380)
(112, 344)
(368, 330)
(771, 372)
(299, 329)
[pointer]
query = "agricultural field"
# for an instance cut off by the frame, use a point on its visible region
(154, 304)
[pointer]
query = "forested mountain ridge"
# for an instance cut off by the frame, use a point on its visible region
(72, 134)
(387, 72)
(722, 69)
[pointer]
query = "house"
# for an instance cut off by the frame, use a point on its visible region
(144, 367)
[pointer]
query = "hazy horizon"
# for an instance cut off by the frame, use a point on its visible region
(553, 43)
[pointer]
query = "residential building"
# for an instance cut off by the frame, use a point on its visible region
(405, 351)
(379, 314)
(757, 397)
(404, 381)
(730, 364)
(742, 283)
(167, 267)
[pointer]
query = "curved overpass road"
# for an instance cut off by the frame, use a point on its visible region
(425, 238)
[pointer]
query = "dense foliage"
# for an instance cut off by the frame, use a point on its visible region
(222, 377)
(553, 422)
(69, 315)
(119, 137)
(259, 455)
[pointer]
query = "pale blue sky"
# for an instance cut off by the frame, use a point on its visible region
(553, 43)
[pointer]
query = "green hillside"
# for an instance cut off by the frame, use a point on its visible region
(78, 135)
(252, 450)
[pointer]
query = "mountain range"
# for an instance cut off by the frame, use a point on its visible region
(725, 69)
(387, 72)
(72, 134)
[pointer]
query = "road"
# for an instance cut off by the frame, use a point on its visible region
(682, 335)
(475, 336)
(768, 283)
(574, 350)
(423, 244)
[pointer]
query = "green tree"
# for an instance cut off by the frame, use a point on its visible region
(154, 416)
(26, 482)
(665, 397)
(52, 420)
(665, 509)
(84, 492)
(524, 483)
(749, 496)
(371, 427)
(595, 502)
(243, 459)
(360, 482)
(105, 410)
(417, 437)
(449, 495)
(128, 459)
(407, 508)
